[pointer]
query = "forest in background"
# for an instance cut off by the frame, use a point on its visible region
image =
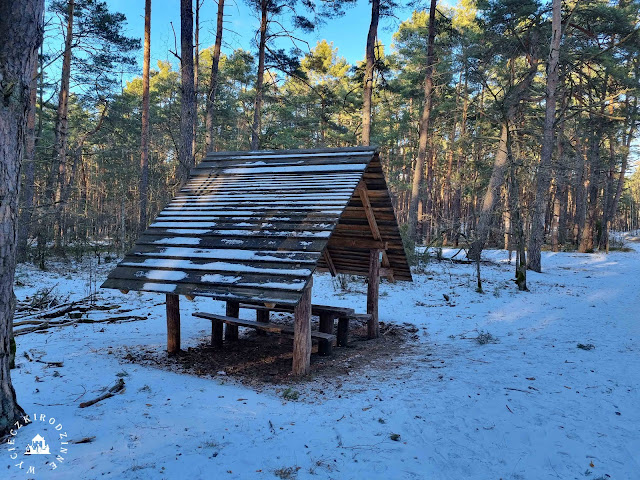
(501, 123)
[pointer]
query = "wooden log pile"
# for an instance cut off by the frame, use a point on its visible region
(29, 318)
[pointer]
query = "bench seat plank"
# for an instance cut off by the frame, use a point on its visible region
(315, 309)
(266, 326)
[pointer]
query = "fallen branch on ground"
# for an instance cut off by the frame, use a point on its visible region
(83, 440)
(65, 323)
(117, 388)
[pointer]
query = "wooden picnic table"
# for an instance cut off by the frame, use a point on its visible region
(325, 336)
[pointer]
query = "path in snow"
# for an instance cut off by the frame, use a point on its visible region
(531, 406)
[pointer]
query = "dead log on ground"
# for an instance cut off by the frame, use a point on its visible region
(117, 388)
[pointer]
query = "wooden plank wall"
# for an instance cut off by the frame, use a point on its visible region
(352, 239)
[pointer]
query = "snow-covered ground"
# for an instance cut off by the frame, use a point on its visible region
(531, 405)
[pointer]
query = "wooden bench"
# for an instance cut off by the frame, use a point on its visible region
(325, 340)
(327, 314)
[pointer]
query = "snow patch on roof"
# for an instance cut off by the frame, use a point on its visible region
(179, 241)
(159, 287)
(217, 278)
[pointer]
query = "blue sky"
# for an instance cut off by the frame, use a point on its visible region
(347, 33)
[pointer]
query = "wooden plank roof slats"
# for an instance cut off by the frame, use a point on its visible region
(254, 226)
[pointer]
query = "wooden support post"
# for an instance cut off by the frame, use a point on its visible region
(231, 331)
(173, 323)
(262, 316)
(302, 334)
(327, 258)
(343, 331)
(373, 327)
(216, 334)
(326, 326)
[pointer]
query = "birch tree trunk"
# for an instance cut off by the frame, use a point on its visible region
(213, 84)
(144, 140)
(368, 72)
(188, 112)
(424, 127)
(257, 112)
(544, 169)
(20, 35)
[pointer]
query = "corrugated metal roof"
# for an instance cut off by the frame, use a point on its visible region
(254, 226)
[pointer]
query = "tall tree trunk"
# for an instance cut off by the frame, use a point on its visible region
(24, 222)
(627, 139)
(607, 197)
(21, 32)
(500, 163)
(187, 112)
(144, 138)
(581, 185)
(424, 127)
(370, 59)
(59, 165)
(257, 111)
(543, 179)
(516, 222)
(588, 232)
(491, 196)
(196, 81)
(213, 84)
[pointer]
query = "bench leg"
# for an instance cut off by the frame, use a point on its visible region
(326, 323)
(216, 333)
(326, 326)
(173, 323)
(343, 331)
(262, 316)
(325, 347)
(231, 331)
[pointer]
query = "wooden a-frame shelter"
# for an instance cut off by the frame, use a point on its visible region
(252, 227)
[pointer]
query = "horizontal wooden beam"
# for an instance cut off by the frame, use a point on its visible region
(364, 243)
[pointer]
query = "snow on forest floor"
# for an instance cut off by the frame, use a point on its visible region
(527, 404)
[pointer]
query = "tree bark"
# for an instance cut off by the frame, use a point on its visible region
(187, 112)
(213, 84)
(257, 111)
(544, 169)
(424, 127)
(370, 57)
(144, 140)
(26, 212)
(21, 32)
